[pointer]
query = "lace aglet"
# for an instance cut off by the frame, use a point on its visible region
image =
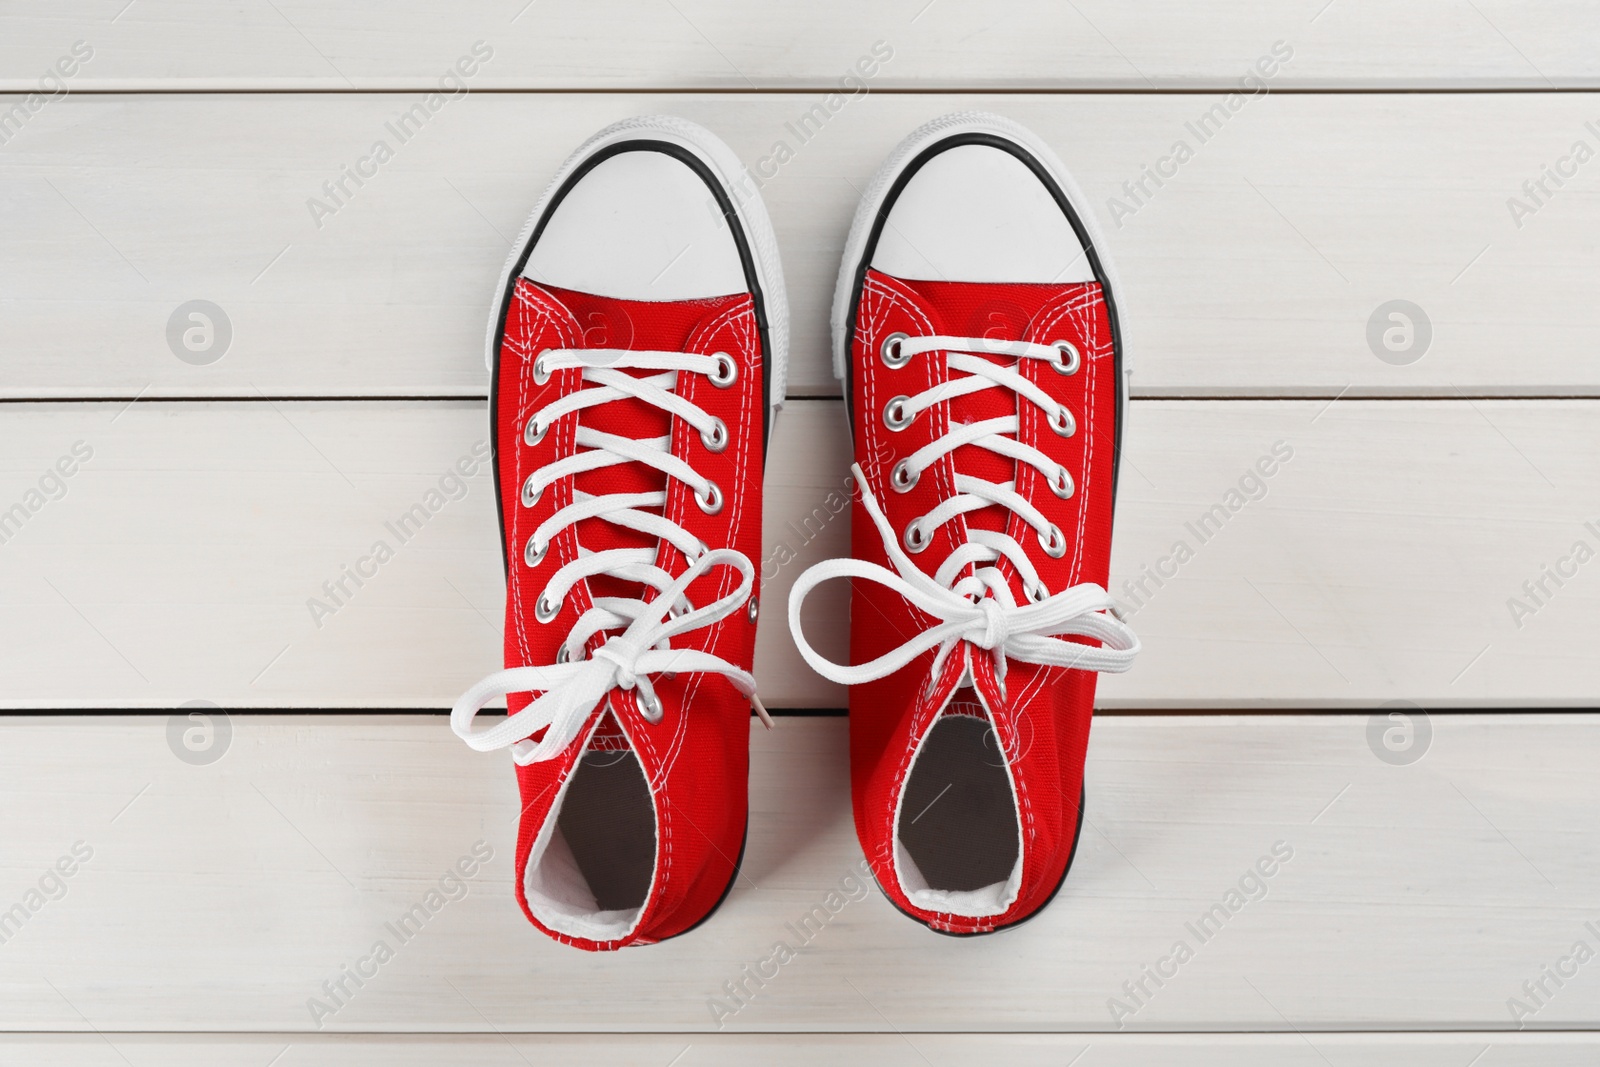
(760, 710)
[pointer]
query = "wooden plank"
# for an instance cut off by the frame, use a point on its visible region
(1257, 270)
(788, 1050)
(188, 556)
(187, 44)
(221, 897)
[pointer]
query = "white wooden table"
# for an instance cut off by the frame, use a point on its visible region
(1433, 488)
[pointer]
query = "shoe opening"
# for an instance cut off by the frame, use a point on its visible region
(590, 871)
(958, 841)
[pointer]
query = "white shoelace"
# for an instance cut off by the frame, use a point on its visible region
(572, 687)
(968, 594)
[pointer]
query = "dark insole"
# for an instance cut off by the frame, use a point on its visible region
(609, 824)
(958, 820)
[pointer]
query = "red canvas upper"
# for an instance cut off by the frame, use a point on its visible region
(695, 759)
(1041, 714)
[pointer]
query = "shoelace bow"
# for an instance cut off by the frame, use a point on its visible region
(571, 688)
(969, 596)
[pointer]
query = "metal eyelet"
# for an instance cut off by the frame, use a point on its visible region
(752, 608)
(1071, 363)
(1061, 485)
(891, 351)
(1038, 594)
(727, 371)
(563, 655)
(677, 612)
(533, 433)
(1055, 545)
(1062, 422)
(894, 413)
(694, 556)
(533, 554)
(916, 538)
(544, 609)
(711, 503)
(717, 439)
(901, 479)
(530, 495)
(541, 370)
(649, 705)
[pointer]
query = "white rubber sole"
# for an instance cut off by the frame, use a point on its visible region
(878, 190)
(742, 193)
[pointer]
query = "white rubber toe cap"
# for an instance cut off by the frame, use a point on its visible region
(641, 225)
(975, 213)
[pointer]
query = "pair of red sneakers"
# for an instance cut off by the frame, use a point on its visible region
(638, 350)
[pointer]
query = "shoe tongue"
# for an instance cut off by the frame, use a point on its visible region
(638, 325)
(608, 736)
(1002, 312)
(964, 701)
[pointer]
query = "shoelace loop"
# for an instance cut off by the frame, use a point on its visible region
(996, 627)
(1030, 633)
(570, 691)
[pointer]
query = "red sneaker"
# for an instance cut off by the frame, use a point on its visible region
(637, 355)
(975, 330)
